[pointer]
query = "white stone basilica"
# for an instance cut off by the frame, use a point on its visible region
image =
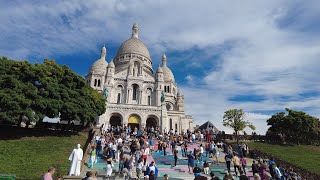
(134, 92)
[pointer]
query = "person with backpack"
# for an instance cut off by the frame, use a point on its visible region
(196, 171)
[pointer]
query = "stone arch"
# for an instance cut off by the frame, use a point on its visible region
(134, 120)
(115, 119)
(152, 121)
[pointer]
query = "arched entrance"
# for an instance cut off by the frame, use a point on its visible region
(152, 121)
(134, 121)
(115, 120)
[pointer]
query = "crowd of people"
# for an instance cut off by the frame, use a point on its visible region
(130, 148)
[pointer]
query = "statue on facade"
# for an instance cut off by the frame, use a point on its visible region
(135, 71)
(105, 92)
(162, 96)
(75, 159)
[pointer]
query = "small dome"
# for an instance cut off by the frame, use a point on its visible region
(159, 70)
(111, 64)
(100, 66)
(167, 74)
(133, 45)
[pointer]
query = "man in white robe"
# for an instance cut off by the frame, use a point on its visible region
(75, 158)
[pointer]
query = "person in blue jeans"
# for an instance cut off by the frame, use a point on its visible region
(190, 161)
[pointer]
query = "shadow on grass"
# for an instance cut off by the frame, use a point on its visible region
(12, 132)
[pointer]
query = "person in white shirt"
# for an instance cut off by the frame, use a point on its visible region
(201, 137)
(193, 136)
(119, 140)
(201, 152)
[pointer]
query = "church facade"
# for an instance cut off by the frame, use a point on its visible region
(134, 91)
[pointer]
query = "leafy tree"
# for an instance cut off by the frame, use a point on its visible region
(48, 89)
(295, 126)
(234, 118)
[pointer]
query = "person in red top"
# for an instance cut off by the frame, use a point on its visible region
(208, 136)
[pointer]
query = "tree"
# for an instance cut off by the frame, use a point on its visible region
(33, 91)
(234, 118)
(295, 126)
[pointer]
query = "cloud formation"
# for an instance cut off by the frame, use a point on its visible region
(261, 56)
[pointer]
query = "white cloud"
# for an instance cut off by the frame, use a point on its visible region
(259, 55)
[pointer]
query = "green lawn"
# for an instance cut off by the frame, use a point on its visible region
(304, 156)
(30, 157)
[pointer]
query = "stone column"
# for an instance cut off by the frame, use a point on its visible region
(164, 117)
(140, 97)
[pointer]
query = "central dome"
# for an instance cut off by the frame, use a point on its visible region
(133, 45)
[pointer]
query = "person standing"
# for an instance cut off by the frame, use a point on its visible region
(152, 168)
(206, 167)
(139, 167)
(190, 161)
(196, 171)
(93, 154)
(236, 164)
(75, 158)
(175, 153)
(48, 175)
(228, 158)
(109, 166)
(243, 164)
(160, 146)
(165, 148)
(201, 152)
(151, 142)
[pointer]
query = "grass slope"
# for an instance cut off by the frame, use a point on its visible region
(30, 157)
(304, 156)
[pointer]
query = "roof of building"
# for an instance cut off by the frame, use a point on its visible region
(134, 45)
(207, 125)
(100, 66)
(167, 73)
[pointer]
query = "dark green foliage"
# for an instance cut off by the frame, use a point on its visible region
(295, 126)
(31, 92)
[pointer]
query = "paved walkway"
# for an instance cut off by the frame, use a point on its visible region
(165, 163)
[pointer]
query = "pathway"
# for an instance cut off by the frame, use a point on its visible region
(165, 163)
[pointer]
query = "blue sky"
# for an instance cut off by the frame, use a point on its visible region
(262, 56)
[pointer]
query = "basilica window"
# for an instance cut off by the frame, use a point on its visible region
(119, 98)
(171, 124)
(168, 106)
(99, 83)
(149, 100)
(149, 91)
(95, 82)
(135, 89)
(176, 126)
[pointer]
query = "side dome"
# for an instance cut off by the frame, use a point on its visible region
(111, 64)
(167, 73)
(159, 70)
(100, 66)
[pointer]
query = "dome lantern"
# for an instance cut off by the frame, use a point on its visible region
(135, 31)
